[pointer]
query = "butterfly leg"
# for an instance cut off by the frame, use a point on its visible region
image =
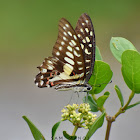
(86, 97)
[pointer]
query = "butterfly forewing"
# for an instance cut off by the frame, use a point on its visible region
(67, 48)
(85, 32)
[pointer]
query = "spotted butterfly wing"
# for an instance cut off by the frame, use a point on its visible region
(73, 57)
(86, 36)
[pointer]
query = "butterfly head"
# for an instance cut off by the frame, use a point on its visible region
(82, 88)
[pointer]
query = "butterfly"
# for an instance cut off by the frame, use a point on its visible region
(73, 57)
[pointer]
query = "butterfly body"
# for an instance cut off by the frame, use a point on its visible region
(75, 87)
(73, 57)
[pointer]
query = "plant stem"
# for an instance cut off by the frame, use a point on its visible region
(121, 110)
(129, 100)
(101, 109)
(94, 97)
(109, 123)
(74, 131)
(108, 130)
(111, 119)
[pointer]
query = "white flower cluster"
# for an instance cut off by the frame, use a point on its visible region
(83, 118)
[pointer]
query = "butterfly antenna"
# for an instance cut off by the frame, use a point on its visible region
(77, 96)
(86, 97)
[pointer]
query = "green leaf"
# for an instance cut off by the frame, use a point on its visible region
(101, 100)
(118, 45)
(92, 103)
(55, 127)
(130, 106)
(97, 124)
(67, 136)
(98, 54)
(131, 69)
(101, 76)
(120, 96)
(35, 132)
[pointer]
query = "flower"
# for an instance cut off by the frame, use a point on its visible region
(79, 115)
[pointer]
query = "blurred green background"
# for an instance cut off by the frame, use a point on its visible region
(27, 25)
(28, 31)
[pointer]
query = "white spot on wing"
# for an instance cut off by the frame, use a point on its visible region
(69, 48)
(56, 78)
(82, 46)
(49, 61)
(70, 43)
(81, 30)
(62, 43)
(66, 25)
(75, 37)
(69, 54)
(36, 84)
(41, 77)
(57, 53)
(67, 71)
(64, 38)
(84, 41)
(43, 70)
(41, 82)
(79, 63)
(73, 42)
(69, 33)
(71, 67)
(80, 68)
(86, 21)
(87, 30)
(76, 54)
(86, 51)
(87, 67)
(83, 23)
(81, 75)
(79, 35)
(60, 48)
(87, 39)
(90, 45)
(77, 48)
(87, 72)
(87, 60)
(64, 28)
(65, 33)
(69, 60)
(91, 33)
(50, 68)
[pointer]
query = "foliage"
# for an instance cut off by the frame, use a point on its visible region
(101, 77)
(131, 69)
(129, 58)
(36, 133)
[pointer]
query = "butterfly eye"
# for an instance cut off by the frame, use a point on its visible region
(89, 88)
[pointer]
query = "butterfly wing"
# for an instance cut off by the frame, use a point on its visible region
(67, 48)
(67, 63)
(85, 32)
